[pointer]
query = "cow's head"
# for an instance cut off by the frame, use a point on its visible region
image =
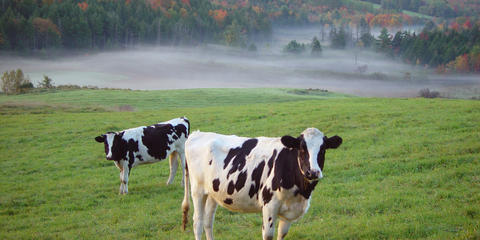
(114, 145)
(311, 146)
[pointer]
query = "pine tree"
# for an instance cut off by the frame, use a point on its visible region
(316, 47)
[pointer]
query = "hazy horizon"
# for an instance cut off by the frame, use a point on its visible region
(214, 66)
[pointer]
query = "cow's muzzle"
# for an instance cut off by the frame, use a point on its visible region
(313, 174)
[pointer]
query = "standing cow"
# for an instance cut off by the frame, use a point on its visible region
(142, 145)
(275, 176)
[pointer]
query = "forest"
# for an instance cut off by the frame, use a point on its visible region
(449, 40)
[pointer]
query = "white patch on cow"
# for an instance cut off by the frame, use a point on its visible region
(314, 139)
(109, 138)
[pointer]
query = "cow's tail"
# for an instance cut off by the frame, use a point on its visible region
(186, 199)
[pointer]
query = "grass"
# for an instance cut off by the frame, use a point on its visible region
(408, 168)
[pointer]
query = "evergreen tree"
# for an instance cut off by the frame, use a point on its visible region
(384, 42)
(316, 47)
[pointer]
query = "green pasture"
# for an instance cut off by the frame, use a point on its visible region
(407, 169)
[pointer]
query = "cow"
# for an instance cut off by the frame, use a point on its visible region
(147, 144)
(275, 176)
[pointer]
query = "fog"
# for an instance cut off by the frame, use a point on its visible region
(213, 66)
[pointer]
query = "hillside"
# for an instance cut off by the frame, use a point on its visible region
(408, 168)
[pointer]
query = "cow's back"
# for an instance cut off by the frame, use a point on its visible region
(230, 169)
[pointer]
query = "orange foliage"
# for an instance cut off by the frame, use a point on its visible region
(461, 63)
(455, 26)
(186, 2)
(183, 12)
(219, 16)
(386, 20)
(83, 6)
(162, 4)
(257, 9)
(43, 25)
(467, 24)
(369, 17)
(475, 60)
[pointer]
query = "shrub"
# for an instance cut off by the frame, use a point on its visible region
(294, 47)
(252, 48)
(426, 93)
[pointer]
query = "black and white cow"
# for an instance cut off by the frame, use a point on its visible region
(275, 176)
(142, 145)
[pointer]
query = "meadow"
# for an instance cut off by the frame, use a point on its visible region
(407, 169)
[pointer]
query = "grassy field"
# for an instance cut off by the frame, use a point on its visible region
(408, 168)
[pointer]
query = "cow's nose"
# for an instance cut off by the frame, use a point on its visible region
(312, 174)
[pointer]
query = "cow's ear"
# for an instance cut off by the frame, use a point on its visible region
(290, 142)
(333, 142)
(100, 139)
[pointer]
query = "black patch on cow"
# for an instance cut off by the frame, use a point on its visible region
(271, 225)
(155, 138)
(119, 147)
(215, 184)
(139, 157)
(270, 162)
(106, 147)
(188, 125)
(242, 178)
(287, 174)
(132, 147)
(240, 154)
(266, 195)
(100, 138)
(210, 162)
(181, 129)
(228, 201)
(321, 156)
(269, 219)
(303, 155)
(231, 188)
(256, 176)
(269, 237)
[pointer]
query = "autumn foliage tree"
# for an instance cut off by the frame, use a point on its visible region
(15, 82)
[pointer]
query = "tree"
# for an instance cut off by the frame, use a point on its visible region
(367, 39)
(46, 82)
(338, 39)
(294, 47)
(316, 47)
(14, 82)
(384, 43)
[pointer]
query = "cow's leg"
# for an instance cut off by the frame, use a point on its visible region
(283, 227)
(124, 177)
(122, 184)
(173, 166)
(210, 208)
(198, 199)
(181, 154)
(269, 217)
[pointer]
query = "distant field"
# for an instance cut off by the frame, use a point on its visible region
(408, 168)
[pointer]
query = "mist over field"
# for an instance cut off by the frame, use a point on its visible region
(214, 66)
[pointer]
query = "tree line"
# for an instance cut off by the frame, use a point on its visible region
(71, 24)
(448, 50)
